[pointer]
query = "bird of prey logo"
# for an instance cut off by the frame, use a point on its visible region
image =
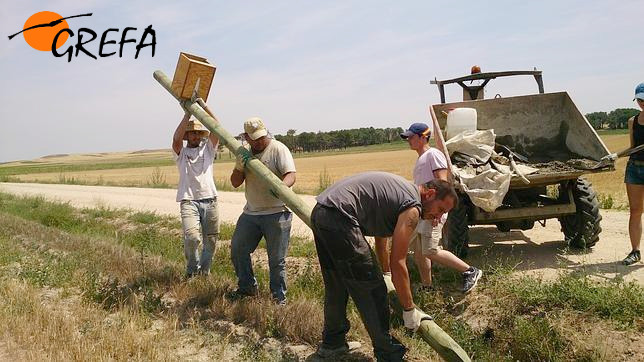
(41, 28)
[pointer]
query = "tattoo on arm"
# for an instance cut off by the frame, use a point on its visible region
(412, 220)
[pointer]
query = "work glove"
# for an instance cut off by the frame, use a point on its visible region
(242, 159)
(413, 318)
(387, 277)
(611, 157)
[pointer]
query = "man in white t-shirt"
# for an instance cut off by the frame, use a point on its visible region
(264, 214)
(426, 241)
(196, 193)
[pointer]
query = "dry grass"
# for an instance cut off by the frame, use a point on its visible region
(308, 170)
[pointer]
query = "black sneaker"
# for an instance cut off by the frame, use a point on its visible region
(632, 258)
(470, 278)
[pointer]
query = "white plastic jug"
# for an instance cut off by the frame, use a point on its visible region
(459, 120)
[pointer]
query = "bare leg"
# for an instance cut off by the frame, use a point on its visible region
(636, 203)
(450, 260)
(424, 264)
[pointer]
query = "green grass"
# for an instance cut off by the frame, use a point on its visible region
(617, 301)
(602, 132)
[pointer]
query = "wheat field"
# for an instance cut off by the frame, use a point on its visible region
(310, 170)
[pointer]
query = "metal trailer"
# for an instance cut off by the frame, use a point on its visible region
(544, 127)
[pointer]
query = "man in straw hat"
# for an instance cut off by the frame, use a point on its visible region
(264, 214)
(196, 193)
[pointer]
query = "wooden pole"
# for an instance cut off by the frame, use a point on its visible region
(284, 193)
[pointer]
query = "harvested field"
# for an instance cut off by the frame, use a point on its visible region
(311, 170)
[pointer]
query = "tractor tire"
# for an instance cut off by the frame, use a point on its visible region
(458, 231)
(581, 230)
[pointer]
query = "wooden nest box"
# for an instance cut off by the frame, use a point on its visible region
(189, 69)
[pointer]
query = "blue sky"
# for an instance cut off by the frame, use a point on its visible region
(303, 65)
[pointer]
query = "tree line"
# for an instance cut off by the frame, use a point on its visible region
(341, 139)
(614, 119)
(321, 141)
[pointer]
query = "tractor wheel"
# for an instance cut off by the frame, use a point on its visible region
(458, 236)
(582, 228)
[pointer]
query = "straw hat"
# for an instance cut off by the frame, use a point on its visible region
(194, 125)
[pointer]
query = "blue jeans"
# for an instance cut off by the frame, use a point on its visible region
(276, 229)
(200, 221)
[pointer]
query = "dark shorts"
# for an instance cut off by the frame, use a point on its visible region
(634, 173)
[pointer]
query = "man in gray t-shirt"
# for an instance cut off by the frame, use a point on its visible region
(370, 204)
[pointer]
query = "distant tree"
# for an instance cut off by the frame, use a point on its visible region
(597, 119)
(339, 139)
(619, 117)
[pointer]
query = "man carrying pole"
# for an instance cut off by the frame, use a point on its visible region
(264, 214)
(196, 193)
(373, 204)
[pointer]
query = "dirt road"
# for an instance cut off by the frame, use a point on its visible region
(537, 251)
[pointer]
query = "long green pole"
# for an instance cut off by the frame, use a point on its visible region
(284, 193)
(446, 347)
(434, 335)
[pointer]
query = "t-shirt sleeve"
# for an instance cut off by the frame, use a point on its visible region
(285, 163)
(436, 159)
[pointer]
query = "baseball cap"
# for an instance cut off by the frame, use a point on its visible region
(254, 128)
(419, 128)
(639, 91)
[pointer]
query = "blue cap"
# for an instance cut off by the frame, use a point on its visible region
(420, 129)
(639, 91)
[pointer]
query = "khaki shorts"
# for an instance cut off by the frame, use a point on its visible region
(426, 238)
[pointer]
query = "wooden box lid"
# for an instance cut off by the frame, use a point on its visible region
(189, 68)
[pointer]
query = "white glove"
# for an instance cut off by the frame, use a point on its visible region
(387, 277)
(612, 157)
(413, 318)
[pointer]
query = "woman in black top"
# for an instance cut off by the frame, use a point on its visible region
(634, 179)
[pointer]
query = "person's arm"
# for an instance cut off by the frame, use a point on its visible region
(286, 165)
(405, 226)
(441, 174)
(288, 179)
(631, 130)
(383, 254)
(177, 139)
(237, 177)
(437, 162)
